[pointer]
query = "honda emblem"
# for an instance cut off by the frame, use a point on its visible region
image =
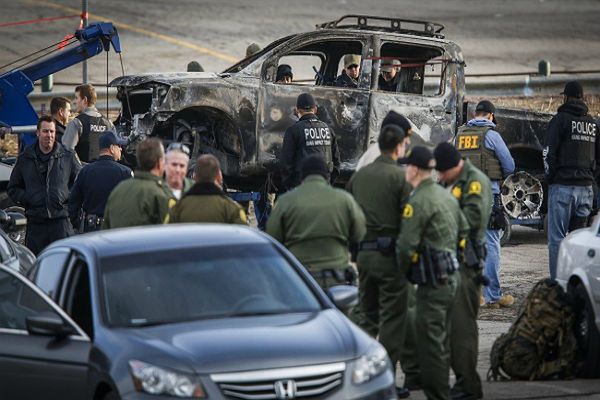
(285, 389)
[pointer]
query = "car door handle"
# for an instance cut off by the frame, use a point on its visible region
(591, 253)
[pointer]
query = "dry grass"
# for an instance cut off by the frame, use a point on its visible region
(547, 104)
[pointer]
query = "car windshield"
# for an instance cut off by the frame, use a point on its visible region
(155, 288)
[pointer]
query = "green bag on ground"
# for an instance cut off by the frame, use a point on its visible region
(541, 343)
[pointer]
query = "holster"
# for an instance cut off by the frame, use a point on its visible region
(91, 223)
(433, 267)
(497, 220)
(474, 254)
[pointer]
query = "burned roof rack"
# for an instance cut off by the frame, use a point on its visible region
(397, 25)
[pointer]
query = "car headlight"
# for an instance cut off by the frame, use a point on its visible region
(373, 363)
(154, 380)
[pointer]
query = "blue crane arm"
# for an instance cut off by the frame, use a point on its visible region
(15, 108)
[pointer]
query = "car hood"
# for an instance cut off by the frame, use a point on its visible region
(251, 343)
(170, 78)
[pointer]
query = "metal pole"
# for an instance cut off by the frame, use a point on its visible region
(84, 18)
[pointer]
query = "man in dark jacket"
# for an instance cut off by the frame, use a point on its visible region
(60, 109)
(306, 137)
(95, 182)
(40, 183)
(389, 80)
(571, 158)
(206, 201)
(351, 72)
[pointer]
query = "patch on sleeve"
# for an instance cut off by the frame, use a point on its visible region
(475, 187)
(243, 216)
(408, 211)
(457, 192)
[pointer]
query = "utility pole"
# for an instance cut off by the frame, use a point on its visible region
(84, 20)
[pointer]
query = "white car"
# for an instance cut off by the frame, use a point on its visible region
(578, 272)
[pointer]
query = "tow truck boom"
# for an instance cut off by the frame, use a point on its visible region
(15, 108)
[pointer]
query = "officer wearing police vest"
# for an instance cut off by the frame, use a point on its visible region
(571, 158)
(380, 189)
(308, 136)
(82, 133)
(432, 228)
(472, 189)
(479, 141)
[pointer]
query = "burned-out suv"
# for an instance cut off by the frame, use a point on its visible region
(241, 114)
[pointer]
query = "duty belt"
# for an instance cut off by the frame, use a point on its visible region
(91, 223)
(385, 245)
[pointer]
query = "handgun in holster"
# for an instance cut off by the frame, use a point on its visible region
(474, 254)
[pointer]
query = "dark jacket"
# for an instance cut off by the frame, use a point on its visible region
(94, 184)
(572, 148)
(44, 197)
(306, 137)
(206, 202)
(60, 130)
(345, 81)
(391, 86)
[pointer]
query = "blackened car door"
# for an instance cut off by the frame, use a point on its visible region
(38, 365)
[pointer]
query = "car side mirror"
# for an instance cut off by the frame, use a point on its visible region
(48, 324)
(12, 221)
(343, 296)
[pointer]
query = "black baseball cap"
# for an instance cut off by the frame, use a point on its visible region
(488, 107)
(573, 89)
(305, 101)
(314, 165)
(109, 138)
(393, 118)
(420, 156)
(446, 156)
(282, 71)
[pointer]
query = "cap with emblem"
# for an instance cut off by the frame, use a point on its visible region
(351, 59)
(573, 89)
(305, 102)
(420, 157)
(446, 156)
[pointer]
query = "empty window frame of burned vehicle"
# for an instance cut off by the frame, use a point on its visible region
(422, 69)
(330, 51)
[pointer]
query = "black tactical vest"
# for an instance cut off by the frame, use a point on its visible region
(470, 142)
(87, 148)
(578, 144)
(317, 139)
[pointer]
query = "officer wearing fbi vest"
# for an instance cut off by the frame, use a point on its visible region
(472, 189)
(432, 228)
(479, 141)
(95, 182)
(571, 158)
(307, 136)
(380, 189)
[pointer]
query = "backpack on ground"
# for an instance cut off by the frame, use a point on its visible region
(541, 343)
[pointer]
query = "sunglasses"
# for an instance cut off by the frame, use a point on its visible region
(179, 146)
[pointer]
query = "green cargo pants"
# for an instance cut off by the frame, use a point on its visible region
(464, 336)
(433, 321)
(385, 295)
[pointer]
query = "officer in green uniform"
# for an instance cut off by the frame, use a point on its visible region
(432, 224)
(472, 189)
(380, 189)
(206, 201)
(317, 223)
(145, 199)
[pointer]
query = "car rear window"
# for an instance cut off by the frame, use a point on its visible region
(154, 288)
